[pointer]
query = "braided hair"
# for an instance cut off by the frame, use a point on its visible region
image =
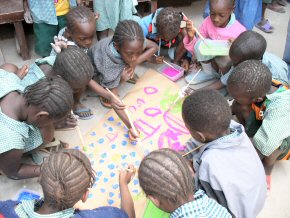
(165, 174)
(168, 23)
(52, 94)
(65, 178)
(74, 66)
(128, 30)
(80, 14)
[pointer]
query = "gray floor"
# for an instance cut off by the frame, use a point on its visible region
(277, 204)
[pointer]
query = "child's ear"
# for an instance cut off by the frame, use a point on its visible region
(41, 114)
(201, 137)
(259, 99)
(85, 196)
(155, 201)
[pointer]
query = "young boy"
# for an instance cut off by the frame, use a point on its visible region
(227, 166)
(164, 28)
(252, 45)
(263, 105)
(166, 179)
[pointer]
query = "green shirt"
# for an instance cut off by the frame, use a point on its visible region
(15, 134)
(274, 132)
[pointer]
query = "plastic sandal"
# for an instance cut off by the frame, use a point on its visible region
(81, 110)
(105, 102)
(267, 28)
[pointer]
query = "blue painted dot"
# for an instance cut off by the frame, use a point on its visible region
(111, 194)
(135, 191)
(134, 143)
(102, 190)
(113, 146)
(93, 134)
(147, 151)
(77, 147)
(110, 129)
(137, 163)
(104, 155)
(123, 156)
(119, 123)
(92, 145)
(133, 154)
(91, 155)
(112, 174)
(125, 128)
(115, 186)
(135, 181)
(111, 119)
(124, 143)
(99, 174)
(101, 161)
(101, 140)
(90, 195)
(111, 166)
(97, 179)
(124, 164)
(126, 135)
(151, 142)
(105, 125)
(95, 185)
(110, 201)
(106, 179)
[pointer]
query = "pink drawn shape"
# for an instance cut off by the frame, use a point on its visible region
(152, 112)
(170, 72)
(175, 123)
(172, 140)
(111, 136)
(146, 128)
(150, 90)
(132, 109)
(140, 101)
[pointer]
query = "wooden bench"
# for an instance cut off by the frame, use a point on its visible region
(12, 11)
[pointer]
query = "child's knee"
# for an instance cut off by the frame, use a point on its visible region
(9, 67)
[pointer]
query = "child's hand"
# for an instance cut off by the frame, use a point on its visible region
(159, 59)
(190, 30)
(127, 73)
(117, 104)
(60, 43)
(97, 15)
(185, 64)
(22, 72)
(27, 13)
(133, 136)
(186, 91)
(127, 174)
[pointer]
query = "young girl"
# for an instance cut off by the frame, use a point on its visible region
(26, 119)
(115, 59)
(167, 181)
(220, 25)
(61, 193)
(80, 30)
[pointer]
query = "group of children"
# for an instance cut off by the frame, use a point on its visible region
(230, 163)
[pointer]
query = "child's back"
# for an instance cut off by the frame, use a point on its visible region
(227, 165)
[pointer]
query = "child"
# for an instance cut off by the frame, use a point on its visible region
(49, 18)
(115, 59)
(220, 25)
(165, 177)
(61, 192)
(164, 28)
(80, 30)
(252, 45)
(227, 166)
(263, 109)
(27, 117)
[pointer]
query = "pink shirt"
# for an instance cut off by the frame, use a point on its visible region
(209, 31)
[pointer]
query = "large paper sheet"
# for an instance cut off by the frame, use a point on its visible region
(108, 146)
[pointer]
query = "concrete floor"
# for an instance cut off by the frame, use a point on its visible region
(277, 204)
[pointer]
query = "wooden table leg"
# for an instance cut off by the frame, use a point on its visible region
(21, 40)
(153, 6)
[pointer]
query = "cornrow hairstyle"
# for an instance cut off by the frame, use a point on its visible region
(252, 78)
(80, 14)
(52, 94)
(165, 174)
(74, 66)
(249, 45)
(65, 178)
(168, 23)
(206, 111)
(128, 30)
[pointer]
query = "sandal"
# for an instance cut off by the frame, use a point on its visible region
(105, 102)
(277, 8)
(281, 2)
(267, 28)
(82, 110)
(47, 149)
(134, 79)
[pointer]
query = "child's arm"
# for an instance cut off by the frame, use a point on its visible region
(127, 203)
(94, 86)
(27, 14)
(11, 166)
(180, 49)
(12, 68)
(150, 49)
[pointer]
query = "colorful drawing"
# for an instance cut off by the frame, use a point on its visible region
(158, 128)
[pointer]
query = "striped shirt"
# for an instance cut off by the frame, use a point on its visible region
(27, 208)
(15, 134)
(201, 206)
(274, 132)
